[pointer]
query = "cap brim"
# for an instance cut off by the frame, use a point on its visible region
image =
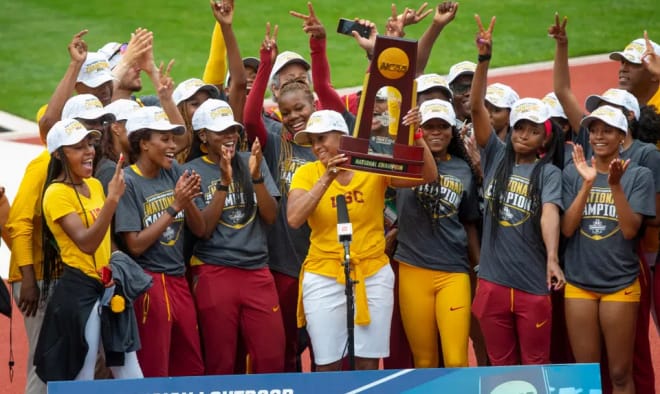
(302, 138)
(167, 126)
(220, 129)
(619, 56)
(586, 121)
(449, 82)
(96, 114)
(592, 102)
(98, 81)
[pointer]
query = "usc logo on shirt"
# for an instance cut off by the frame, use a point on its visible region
(351, 197)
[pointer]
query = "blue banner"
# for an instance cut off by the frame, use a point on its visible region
(539, 379)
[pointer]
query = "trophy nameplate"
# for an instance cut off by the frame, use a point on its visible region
(393, 65)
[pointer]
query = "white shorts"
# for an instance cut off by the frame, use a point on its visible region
(324, 301)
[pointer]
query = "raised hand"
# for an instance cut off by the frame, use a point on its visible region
(139, 52)
(650, 59)
(226, 155)
(617, 168)
(485, 36)
(411, 16)
(269, 44)
(117, 184)
(413, 117)
(311, 23)
(78, 47)
(186, 189)
(165, 83)
(445, 12)
(367, 44)
(223, 11)
(255, 160)
(588, 173)
(395, 23)
(558, 30)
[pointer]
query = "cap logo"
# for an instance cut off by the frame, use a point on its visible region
(436, 108)
(161, 115)
(193, 83)
(221, 112)
(71, 127)
(314, 120)
(97, 66)
(92, 103)
(635, 47)
(393, 63)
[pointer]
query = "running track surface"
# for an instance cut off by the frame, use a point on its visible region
(586, 79)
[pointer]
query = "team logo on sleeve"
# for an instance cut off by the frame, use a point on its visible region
(440, 199)
(515, 206)
(599, 219)
(154, 207)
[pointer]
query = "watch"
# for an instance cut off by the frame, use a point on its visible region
(171, 211)
(220, 187)
(258, 180)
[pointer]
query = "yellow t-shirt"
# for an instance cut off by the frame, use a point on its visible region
(60, 200)
(365, 202)
(24, 223)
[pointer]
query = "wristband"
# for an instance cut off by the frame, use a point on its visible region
(219, 187)
(258, 180)
(483, 58)
(419, 134)
(171, 211)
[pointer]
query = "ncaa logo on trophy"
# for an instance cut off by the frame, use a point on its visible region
(389, 90)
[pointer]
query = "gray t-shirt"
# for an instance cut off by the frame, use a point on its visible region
(143, 202)
(383, 145)
(431, 217)
(514, 254)
(105, 170)
(598, 258)
(645, 155)
(287, 246)
(239, 239)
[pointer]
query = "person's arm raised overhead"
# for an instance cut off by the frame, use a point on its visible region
(480, 116)
(78, 52)
(224, 14)
(561, 75)
(140, 43)
(254, 123)
(445, 12)
(650, 59)
(328, 97)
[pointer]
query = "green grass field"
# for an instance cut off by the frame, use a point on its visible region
(33, 54)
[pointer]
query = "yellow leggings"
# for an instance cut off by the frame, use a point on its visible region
(431, 302)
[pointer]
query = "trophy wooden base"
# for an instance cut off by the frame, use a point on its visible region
(406, 161)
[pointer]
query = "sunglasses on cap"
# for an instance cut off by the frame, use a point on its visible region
(119, 51)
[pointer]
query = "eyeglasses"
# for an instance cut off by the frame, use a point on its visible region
(461, 88)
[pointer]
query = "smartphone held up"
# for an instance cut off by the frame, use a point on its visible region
(347, 26)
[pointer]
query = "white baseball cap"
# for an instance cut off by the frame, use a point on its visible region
(430, 81)
(501, 95)
(612, 116)
(67, 132)
(321, 122)
(95, 71)
(437, 109)
(458, 69)
(531, 109)
(285, 58)
(113, 51)
(554, 106)
(620, 97)
(122, 108)
(85, 106)
(152, 118)
(633, 52)
(214, 115)
(189, 87)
